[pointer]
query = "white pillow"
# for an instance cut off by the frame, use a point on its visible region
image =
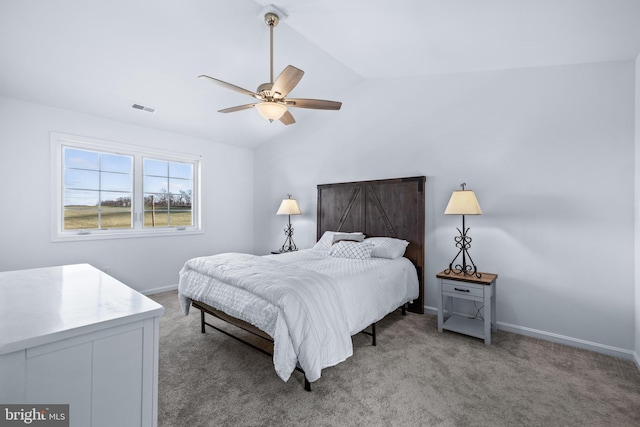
(326, 240)
(387, 247)
(353, 250)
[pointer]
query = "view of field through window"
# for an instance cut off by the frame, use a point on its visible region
(99, 191)
(167, 188)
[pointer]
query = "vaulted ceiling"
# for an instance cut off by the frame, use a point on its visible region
(100, 57)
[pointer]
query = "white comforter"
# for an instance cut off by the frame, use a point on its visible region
(370, 289)
(300, 309)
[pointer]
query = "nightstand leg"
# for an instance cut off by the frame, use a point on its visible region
(488, 311)
(440, 306)
(494, 317)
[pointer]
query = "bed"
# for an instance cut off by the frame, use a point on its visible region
(310, 302)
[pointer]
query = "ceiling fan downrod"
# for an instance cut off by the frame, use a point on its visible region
(271, 19)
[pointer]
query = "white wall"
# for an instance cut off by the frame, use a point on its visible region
(550, 154)
(145, 263)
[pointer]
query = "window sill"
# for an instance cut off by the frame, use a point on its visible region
(79, 236)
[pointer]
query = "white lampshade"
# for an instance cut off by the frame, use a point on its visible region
(271, 110)
(289, 207)
(463, 202)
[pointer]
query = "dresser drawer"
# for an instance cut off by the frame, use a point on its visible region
(462, 289)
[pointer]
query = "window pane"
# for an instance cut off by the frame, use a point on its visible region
(115, 210)
(159, 218)
(81, 179)
(115, 218)
(154, 184)
(115, 199)
(178, 185)
(181, 217)
(155, 201)
(80, 209)
(182, 199)
(181, 170)
(115, 182)
(80, 198)
(116, 163)
(80, 217)
(81, 159)
(155, 167)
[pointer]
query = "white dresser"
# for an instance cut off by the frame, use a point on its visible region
(75, 335)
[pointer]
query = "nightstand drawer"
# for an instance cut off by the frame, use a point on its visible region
(462, 289)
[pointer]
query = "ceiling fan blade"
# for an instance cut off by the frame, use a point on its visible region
(318, 104)
(230, 86)
(237, 108)
(287, 80)
(287, 118)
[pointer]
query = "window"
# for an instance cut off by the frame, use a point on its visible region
(168, 190)
(98, 190)
(108, 190)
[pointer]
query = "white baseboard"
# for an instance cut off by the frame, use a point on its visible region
(431, 310)
(160, 289)
(570, 341)
(563, 339)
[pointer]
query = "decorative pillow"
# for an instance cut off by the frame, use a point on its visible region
(350, 237)
(326, 240)
(353, 250)
(387, 247)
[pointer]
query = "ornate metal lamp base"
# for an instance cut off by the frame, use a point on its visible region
(463, 243)
(288, 245)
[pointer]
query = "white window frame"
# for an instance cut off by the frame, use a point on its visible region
(59, 234)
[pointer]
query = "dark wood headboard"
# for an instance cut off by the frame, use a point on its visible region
(380, 208)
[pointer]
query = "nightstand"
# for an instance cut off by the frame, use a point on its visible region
(472, 288)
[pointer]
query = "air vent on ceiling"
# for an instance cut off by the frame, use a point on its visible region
(143, 108)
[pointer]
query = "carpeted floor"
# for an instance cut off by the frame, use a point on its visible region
(415, 376)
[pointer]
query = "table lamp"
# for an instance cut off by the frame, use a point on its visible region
(463, 202)
(289, 207)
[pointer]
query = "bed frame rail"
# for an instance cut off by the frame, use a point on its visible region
(247, 327)
(204, 308)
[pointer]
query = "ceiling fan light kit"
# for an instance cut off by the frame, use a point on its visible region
(271, 110)
(272, 101)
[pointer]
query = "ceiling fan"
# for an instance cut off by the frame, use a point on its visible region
(272, 97)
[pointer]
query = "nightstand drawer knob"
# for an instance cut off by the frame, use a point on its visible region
(461, 290)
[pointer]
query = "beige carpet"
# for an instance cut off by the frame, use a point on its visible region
(415, 376)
